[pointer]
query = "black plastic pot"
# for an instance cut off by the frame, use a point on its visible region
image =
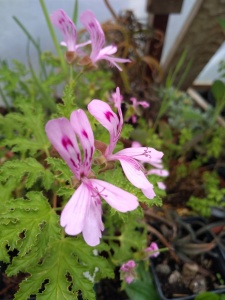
(218, 267)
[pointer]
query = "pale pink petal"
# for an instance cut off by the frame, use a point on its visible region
(73, 216)
(108, 50)
(143, 104)
(145, 154)
(149, 191)
(135, 144)
(153, 247)
(161, 185)
(129, 278)
(158, 172)
(113, 98)
(134, 102)
(96, 33)
(136, 176)
(61, 135)
(114, 196)
(83, 130)
(134, 119)
(112, 60)
(61, 20)
(105, 116)
(128, 266)
(93, 227)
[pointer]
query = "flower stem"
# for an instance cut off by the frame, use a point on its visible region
(54, 39)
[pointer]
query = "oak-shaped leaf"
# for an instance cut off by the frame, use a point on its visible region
(29, 170)
(24, 224)
(63, 272)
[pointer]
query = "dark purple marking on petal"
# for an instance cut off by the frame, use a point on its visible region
(85, 154)
(66, 142)
(92, 150)
(85, 134)
(73, 162)
(78, 157)
(147, 153)
(108, 115)
(91, 25)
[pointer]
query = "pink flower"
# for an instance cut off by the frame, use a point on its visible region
(159, 172)
(127, 270)
(128, 157)
(113, 98)
(152, 250)
(161, 185)
(135, 144)
(61, 20)
(135, 105)
(83, 212)
(98, 40)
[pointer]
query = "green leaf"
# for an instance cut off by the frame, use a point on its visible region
(28, 223)
(207, 296)
(132, 238)
(28, 170)
(68, 99)
(222, 23)
(117, 178)
(139, 290)
(218, 90)
(61, 169)
(24, 130)
(63, 271)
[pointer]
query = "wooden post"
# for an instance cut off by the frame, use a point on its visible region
(160, 10)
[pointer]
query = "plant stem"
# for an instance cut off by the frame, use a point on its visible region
(54, 39)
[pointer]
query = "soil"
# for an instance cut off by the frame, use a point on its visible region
(183, 280)
(193, 263)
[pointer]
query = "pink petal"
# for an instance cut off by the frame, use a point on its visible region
(112, 60)
(134, 101)
(158, 172)
(143, 104)
(74, 214)
(95, 30)
(105, 116)
(145, 154)
(153, 247)
(61, 135)
(161, 185)
(109, 50)
(135, 144)
(128, 266)
(137, 177)
(149, 191)
(61, 20)
(114, 196)
(93, 227)
(83, 130)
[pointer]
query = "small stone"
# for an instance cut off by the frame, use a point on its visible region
(163, 269)
(174, 277)
(190, 269)
(198, 284)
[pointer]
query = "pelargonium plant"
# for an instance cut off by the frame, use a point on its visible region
(71, 194)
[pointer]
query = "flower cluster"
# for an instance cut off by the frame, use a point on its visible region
(128, 271)
(97, 40)
(83, 212)
(129, 158)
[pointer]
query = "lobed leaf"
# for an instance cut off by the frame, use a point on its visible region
(30, 170)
